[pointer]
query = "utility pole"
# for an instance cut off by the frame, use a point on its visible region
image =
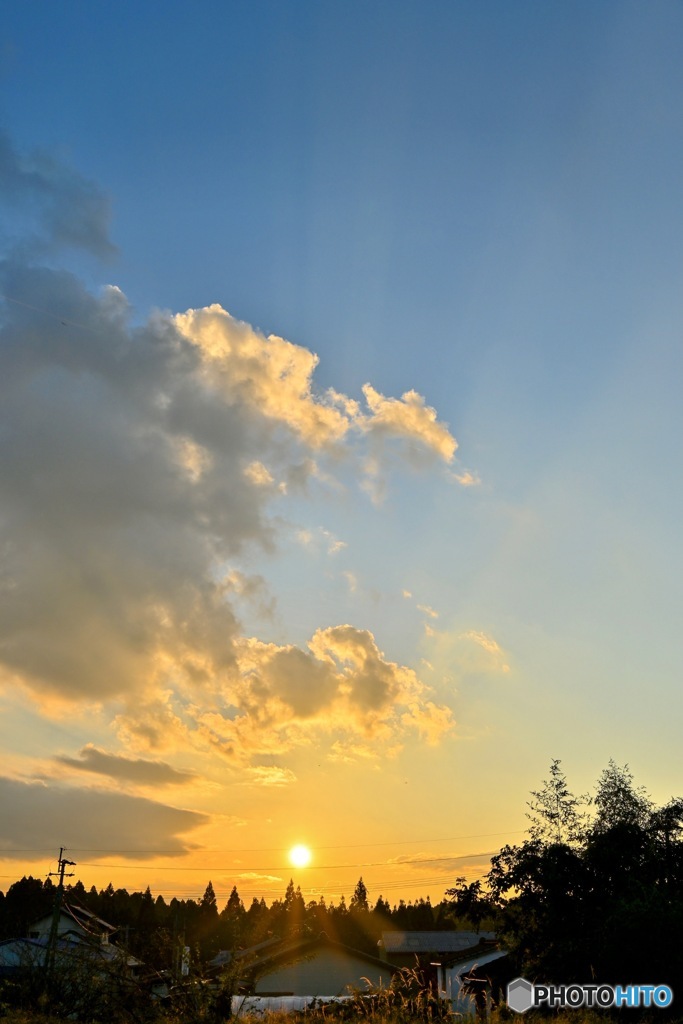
(52, 941)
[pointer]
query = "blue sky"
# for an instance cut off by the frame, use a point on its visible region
(477, 203)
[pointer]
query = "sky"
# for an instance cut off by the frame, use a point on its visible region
(340, 420)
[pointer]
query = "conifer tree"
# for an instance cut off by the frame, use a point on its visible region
(208, 904)
(359, 900)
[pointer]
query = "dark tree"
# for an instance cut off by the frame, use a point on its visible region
(471, 902)
(208, 905)
(579, 895)
(359, 900)
(26, 901)
(556, 815)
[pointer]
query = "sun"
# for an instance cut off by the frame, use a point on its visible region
(300, 856)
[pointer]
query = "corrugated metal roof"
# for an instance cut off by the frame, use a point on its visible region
(431, 942)
(462, 967)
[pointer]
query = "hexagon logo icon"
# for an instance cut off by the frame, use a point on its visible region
(520, 995)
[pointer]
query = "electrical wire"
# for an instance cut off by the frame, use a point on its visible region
(47, 312)
(288, 867)
(341, 846)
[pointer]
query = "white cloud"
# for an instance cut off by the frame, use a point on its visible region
(466, 478)
(137, 463)
(409, 418)
(257, 473)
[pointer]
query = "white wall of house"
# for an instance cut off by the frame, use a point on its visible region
(20, 953)
(450, 981)
(326, 972)
(41, 929)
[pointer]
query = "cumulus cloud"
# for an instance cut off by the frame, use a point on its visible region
(125, 769)
(409, 418)
(265, 373)
(138, 465)
(276, 377)
(342, 684)
(124, 484)
(253, 589)
(92, 819)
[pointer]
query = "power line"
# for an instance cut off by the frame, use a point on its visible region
(271, 891)
(288, 867)
(339, 846)
(333, 887)
(47, 312)
(35, 849)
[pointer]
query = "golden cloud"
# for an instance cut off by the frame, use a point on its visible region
(409, 418)
(138, 466)
(341, 685)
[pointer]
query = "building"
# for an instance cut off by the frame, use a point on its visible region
(82, 938)
(448, 959)
(311, 967)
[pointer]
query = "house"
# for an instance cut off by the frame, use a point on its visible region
(312, 967)
(401, 948)
(464, 981)
(27, 954)
(75, 922)
(21, 955)
(447, 958)
(81, 937)
(227, 956)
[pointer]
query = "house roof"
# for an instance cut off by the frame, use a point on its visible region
(420, 943)
(83, 918)
(463, 966)
(87, 919)
(309, 945)
(71, 943)
(225, 956)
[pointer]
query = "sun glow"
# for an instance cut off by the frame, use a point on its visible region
(300, 856)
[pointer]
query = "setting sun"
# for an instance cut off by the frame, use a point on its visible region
(300, 856)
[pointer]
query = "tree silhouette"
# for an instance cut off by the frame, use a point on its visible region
(579, 896)
(470, 901)
(359, 900)
(208, 904)
(556, 814)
